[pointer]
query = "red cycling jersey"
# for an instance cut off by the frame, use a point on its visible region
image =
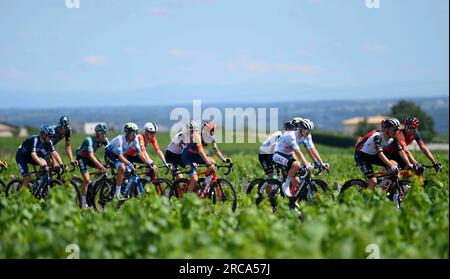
(143, 142)
(403, 140)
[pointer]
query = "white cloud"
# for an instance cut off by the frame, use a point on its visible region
(249, 65)
(95, 60)
(181, 53)
(374, 48)
(11, 74)
(157, 11)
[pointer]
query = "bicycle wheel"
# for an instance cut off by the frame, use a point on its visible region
(2, 186)
(223, 192)
(318, 188)
(13, 187)
(178, 188)
(350, 187)
(44, 190)
(162, 186)
(106, 191)
(77, 184)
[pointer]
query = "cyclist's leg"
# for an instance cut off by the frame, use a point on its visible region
(83, 163)
(365, 165)
(176, 161)
(189, 160)
(22, 163)
(113, 160)
(266, 162)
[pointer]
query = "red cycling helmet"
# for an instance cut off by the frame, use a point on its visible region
(411, 121)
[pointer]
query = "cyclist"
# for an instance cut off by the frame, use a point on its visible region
(34, 150)
(369, 150)
(406, 136)
(148, 136)
(305, 126)
(267, 149)
(286, 147)
(63, 130)
(174, 153)
(85, 157)
(114, 153)
(194, 153)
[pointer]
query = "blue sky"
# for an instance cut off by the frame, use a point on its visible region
(114, 52)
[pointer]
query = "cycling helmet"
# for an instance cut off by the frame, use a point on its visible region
(411, 121)
(131, 128)
(208, 126)
(192, 125)
(47, 130)
(390, 122)
(64, 122)
(289, 125)
(100, 128)
(306, 124)
(149, 126)
(296, 121)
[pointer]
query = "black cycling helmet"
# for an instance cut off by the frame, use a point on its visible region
(64, 122)
(390, 122)
(101, 128)
(289, 125)
(131, 128)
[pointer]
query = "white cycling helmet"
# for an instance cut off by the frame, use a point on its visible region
(151, 127)
(306, 124)
(192, 125)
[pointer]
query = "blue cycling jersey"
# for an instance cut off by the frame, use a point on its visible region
(34, 144)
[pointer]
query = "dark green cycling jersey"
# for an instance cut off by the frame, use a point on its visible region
(90, 144)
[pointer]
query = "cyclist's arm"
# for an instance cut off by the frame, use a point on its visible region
(143, 155)
(314, 154)
(93, 158)
(404, 157)
(39, 161)
(218, 152)
(123, 159)
(158, 151)
(69, 149)
(55, 155)
(202, 153)
(426, 151)
(300, 156)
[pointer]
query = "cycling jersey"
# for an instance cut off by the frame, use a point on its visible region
(192, 146)
(32, 144)
(120, 145)
(287, 143)
(143, 142)
(177, 144)
(268, 146)
(90, 144)
(67, 133)
(306, 141)
(405, 141)
(376, 143)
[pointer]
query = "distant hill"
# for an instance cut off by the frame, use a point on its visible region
(328, 115)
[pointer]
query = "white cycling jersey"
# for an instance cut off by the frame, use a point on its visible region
(268, 146)
(177, 144)
(376, 143)
(287, 143)
(306, 141)
(119, 145)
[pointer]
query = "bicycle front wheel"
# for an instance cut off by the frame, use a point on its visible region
(223, 192)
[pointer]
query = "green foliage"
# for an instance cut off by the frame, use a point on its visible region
(404, 108)
(335, 140)
(152, 227)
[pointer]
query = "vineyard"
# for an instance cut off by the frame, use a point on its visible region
(153, 227)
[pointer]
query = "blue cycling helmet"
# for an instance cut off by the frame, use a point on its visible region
(47, 130)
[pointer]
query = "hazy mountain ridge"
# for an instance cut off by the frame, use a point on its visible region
(328, 115)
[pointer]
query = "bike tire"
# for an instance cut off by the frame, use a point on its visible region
(12, 187)
(352, 183)
(222, 191)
